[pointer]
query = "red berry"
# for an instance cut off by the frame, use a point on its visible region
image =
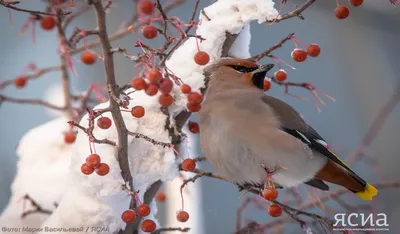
(201, 58)
(149, 31)
(166, 86)
(93, 160)
(356, 3)
(185, 88)
(151, 90)
(102, 169)
(165, 100)
(104, 122)
(20, 81)
(146, 7)
(88, 57)
(193, 107)
(341, 12)
(182, 216)
(86, 169)
(143, 210)
(195, 98)
(267, 85)
(280, 75)
(188, 164)
(270, 194)
(137, 111)
(47, 23)
(154, 76)
(313, 50)
(299, 55)
(160, 196)
(128, 216)
(69, 137)
(274, 210)
(193, 127)
(148, 225)
(138, 83)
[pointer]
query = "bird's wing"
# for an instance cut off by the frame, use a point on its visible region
(293, 124)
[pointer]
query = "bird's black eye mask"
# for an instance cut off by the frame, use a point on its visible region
(243, 69)
(258, 77)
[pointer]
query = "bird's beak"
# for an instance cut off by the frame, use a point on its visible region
(263, 69)
(258, 75)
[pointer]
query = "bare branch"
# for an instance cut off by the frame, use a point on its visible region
(64, 68)
(124, 32)
(37, 208)
(139, 135)
(295, 13)
(376, 125)
(158, 231)
(38, 73)
(31, 102)
(11, 5)
(122, 145)
(124, 52)
(267, 53)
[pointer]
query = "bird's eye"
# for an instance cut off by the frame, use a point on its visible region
(243, 69)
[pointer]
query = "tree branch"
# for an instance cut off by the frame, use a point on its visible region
(31, 101)
(11, 5)
(295, 13)
(38, 73)
(122, 145)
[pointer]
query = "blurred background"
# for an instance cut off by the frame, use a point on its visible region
(358, 66)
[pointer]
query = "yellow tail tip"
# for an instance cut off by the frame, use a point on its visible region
(369, 192)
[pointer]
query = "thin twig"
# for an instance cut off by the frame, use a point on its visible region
(64, 69)
(376, 125)
(31, 102)
(124, 52)
(295, 13)
(11, 5)
(37, 208)
(124, 32)
(151, 140)
(38, 73)
(158, 231)
(268, 52)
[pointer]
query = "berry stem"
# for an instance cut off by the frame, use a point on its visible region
(298, 40)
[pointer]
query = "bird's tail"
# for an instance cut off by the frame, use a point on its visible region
(336, 174)
(369, 192)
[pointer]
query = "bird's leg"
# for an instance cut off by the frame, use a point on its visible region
(268, 176)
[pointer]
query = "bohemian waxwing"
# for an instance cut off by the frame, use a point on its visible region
(246, 135)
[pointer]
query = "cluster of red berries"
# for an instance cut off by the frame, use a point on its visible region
(194, 99)
(143, 210)
(300, 55)
(146, 7)
(342, 12)
(271, 194)
(156, 83)
(93, 163)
